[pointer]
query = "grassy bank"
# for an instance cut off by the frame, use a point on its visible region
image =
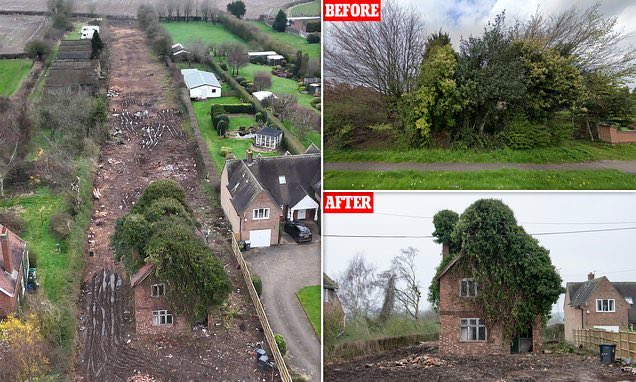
(311, 8)
(309, 298)
(12, 72)
(480, 180)
(571, 151)
(209, 33)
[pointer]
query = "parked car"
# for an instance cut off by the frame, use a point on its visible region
(300, 232)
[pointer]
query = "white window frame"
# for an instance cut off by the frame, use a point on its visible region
(473, 326)
(602, 310)
(475, 287)
(325, 295)
(162, 315)
(157, 287)
(260, 214)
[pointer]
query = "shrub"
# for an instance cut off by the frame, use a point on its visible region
(314, 101)
(258, 284)
(261, 117)
(12, 221)
(280, 342)
(217, 109)
(521, 134)
(225, 151)
(165, 188)
(221, 127)
(313, 26)
(33, 258)
(313, 38)
(231, 108)
(219, 118)
(224, 66)
(163, 207)
(61, 225)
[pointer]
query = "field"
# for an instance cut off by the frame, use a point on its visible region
(506, 179)
(11, 74)
(129, 7)
(207, 32)
(309, 298)
(424, 363)
(17, 30)
(311, 8)
(295, 41)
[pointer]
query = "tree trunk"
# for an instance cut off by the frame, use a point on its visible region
(2, 187)
(589, 130)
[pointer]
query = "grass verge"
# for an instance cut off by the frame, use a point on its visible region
(309, 298)
(480, 180)
(12, 72)
(570, 151)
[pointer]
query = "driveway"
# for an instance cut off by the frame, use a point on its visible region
(284, 270)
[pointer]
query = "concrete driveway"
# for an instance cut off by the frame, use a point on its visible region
(284, 270)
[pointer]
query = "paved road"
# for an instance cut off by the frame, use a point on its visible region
(624, 166)
(284, 270)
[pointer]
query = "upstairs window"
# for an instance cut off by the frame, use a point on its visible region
(468, 288)
(605, 305)
(158, 290)
(472, 330)
(260, 214)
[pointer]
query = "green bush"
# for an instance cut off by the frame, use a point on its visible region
(261, 117)
(221, 127)
(217, 109)
(219, 118)
(61, 223)
(258, 284)
(313, 26)
(313, 38)
(224, 66)
(165, 188)
(280, 342)
(225, 151)
(235, 108)
(314, 101)
(521, 134)
(163, 207)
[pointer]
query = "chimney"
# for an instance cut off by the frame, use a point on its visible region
(445, 250)
(590, 276)
(250, 156)
(4, 248)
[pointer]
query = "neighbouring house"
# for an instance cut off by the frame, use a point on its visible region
(299, 23)
(598, 303)
(331, 305)
(269, 138)
(14, 268)
(462, 329)
(258, 193)
(152, 311)
(260, 57)
(201, 84)
(275, 59)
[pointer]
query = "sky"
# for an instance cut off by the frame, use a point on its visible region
(611, 254)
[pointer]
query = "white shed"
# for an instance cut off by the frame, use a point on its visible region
(202, 85)
(269, 138)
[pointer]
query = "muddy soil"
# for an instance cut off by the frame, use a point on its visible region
(147, 144)
(395, 366)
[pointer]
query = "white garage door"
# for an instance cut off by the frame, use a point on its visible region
(260, 238)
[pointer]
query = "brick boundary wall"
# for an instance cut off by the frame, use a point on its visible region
(614, 136)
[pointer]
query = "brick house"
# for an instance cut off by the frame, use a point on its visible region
(257, 194)
(152, 312)
(14, 268)
(598, 303)
(462, 330)
(331, 305)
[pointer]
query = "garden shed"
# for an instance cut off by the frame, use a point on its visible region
(269, 137)
(202, 85)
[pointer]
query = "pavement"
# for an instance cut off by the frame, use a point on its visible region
(620, 165)
(284, 270)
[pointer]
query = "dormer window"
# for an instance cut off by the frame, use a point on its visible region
(468, 288)
(605, 305)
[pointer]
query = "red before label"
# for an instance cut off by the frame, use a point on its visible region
(347, 202)
(351, 10)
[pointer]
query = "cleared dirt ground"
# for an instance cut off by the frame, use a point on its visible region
(17, 30)
(129, 7)
(146, 147)
(423, 363)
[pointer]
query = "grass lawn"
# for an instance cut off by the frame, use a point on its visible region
(294, 41)
(571, 151)
(311, 136)
(280, 86)
(183, 33)
(214, 142)
(309, 298)
(480, 180)
(12, 72)
(311, 8)
(36, 210)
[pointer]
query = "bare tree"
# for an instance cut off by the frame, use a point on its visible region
(382, 55)
(204, 9)
(262, 80)
(187, 9)
(593, 39)
(357, 287)
(9, 142)
(199, 50)
(237, 57)
(92, 7)
(408, 291)
(170, 5)
(283, 106)
(305, 119)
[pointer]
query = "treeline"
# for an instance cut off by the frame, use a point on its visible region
(525, 85)
(158, 37)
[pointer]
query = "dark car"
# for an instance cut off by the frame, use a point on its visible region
(300, 232)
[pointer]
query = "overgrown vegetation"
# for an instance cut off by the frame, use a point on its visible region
(161, 229)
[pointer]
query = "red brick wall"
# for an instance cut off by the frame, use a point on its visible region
(613, 135)
(8, 305)
(262, 200)
(145, 304)
(605, 290)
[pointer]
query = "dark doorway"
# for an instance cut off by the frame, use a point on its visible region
(522, 343)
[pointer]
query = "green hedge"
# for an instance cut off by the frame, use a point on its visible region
(235, 108)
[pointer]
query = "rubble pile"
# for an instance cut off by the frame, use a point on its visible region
(421, 361)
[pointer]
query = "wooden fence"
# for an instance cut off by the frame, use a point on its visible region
(591, 338)
(260, 311)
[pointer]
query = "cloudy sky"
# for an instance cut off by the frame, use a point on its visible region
(466, 17)
(576, 254)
